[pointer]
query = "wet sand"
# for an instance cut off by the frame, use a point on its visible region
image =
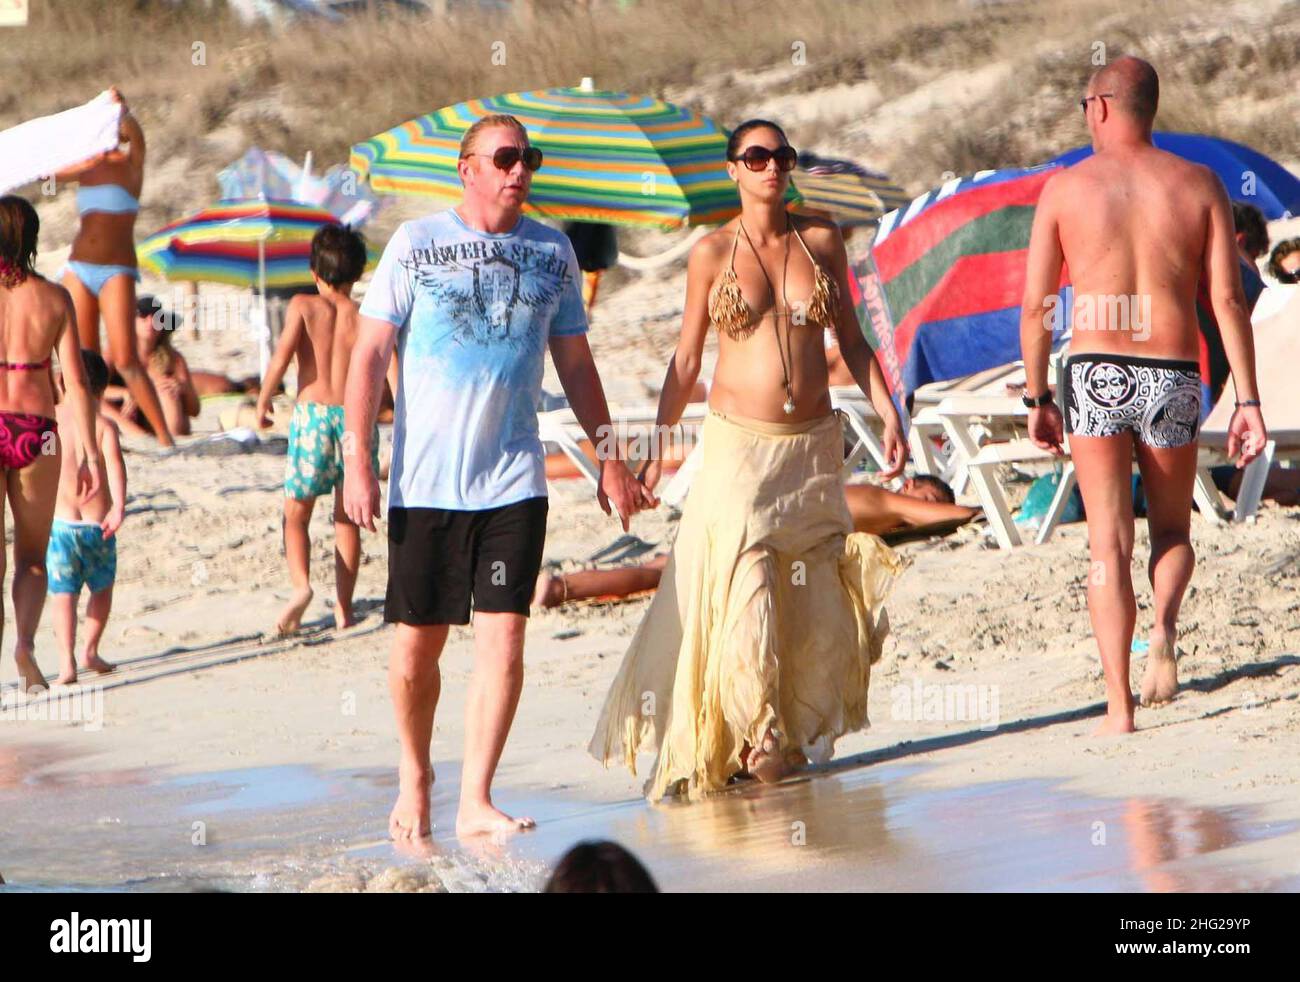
(858, 828)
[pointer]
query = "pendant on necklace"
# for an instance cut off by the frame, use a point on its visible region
(789, 406)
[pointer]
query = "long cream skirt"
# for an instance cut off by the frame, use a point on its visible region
(769, 615)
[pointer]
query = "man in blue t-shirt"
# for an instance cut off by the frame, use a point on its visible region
(471, 297)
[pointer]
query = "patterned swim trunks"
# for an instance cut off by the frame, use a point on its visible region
(79, 555)
(316, 447)
(1158, 399)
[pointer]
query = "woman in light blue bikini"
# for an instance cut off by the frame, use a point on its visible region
(101, 271)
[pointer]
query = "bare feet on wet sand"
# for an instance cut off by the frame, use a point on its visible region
(486, 819)
(409, 819)
(766, 761)
(1160, 680)
(291, 617)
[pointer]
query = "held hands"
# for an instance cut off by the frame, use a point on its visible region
(650, 474)
(618, 485)
(1047, 428)
(1246, 434)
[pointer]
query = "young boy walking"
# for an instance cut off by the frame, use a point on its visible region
(83, 537)
(319, 333)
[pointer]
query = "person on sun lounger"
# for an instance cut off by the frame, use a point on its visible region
(923, 500)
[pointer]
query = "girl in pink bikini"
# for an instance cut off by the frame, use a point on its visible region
(36, 317)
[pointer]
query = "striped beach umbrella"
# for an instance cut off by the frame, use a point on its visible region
(847, 193)
(943, 284)
(251, 243)
(609, 157)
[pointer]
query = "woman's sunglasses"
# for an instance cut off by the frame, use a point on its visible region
(505, 158)
(756, 158)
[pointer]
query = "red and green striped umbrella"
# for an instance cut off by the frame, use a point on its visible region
(609, 157)
(242, 243)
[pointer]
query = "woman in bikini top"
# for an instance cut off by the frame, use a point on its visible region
(771, 301)
(35, 318)
(108, 192)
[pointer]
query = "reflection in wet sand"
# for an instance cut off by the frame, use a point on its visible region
(869, 828)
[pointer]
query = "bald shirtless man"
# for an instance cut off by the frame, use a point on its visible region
(1137, 228)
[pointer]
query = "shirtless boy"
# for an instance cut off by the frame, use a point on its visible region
(319, 332)
(83, 538)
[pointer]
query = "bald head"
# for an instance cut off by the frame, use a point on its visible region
(1135, 84)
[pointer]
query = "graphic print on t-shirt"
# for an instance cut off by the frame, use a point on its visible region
(505, 286)
(474, 312)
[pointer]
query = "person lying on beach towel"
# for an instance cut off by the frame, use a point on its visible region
(922, 501)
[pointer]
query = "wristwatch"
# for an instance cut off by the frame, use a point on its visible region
(1036, 402)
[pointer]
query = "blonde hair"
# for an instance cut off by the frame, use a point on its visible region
(470, 140)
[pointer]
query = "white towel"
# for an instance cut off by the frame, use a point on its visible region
(44, 146)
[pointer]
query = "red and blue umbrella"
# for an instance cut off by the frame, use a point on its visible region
(940, 291)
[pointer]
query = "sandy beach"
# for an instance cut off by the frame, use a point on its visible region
(282, 752)
(222, 756)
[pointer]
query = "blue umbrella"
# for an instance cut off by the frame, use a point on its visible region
(1248, 175)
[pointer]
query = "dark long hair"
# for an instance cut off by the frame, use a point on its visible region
(19, 228)
(744, 129)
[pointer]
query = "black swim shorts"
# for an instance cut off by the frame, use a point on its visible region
(441, 562)
(1158, 399)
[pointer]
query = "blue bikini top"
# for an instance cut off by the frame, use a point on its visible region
(111, 198)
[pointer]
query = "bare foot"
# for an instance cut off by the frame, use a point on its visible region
(67, 677)
(343, 620)
(1160, 680)
(1117, 721)
(1115, 726)
(486, 819)
(291, 617)
(766, 762)
(29, 673)
(409, 819)
(96, 664)
(549, 591)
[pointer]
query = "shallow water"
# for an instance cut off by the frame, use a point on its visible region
(867, 828)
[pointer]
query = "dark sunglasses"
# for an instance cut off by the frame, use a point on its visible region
(1083, 103)
(756, 158)
(505, 158)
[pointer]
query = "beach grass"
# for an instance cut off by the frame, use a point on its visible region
(207, 85)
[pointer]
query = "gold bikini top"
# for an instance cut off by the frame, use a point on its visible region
(729, 311)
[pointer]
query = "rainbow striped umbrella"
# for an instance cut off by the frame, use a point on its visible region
(609, 157)
(256, 242)
(847, 193)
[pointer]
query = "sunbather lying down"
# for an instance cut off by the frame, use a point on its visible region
(923, 500)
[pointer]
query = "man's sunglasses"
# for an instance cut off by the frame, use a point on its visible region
(505, 158)
(1083, 103)
(756, 158)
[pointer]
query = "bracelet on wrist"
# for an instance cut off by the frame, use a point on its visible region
(1248, 402)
